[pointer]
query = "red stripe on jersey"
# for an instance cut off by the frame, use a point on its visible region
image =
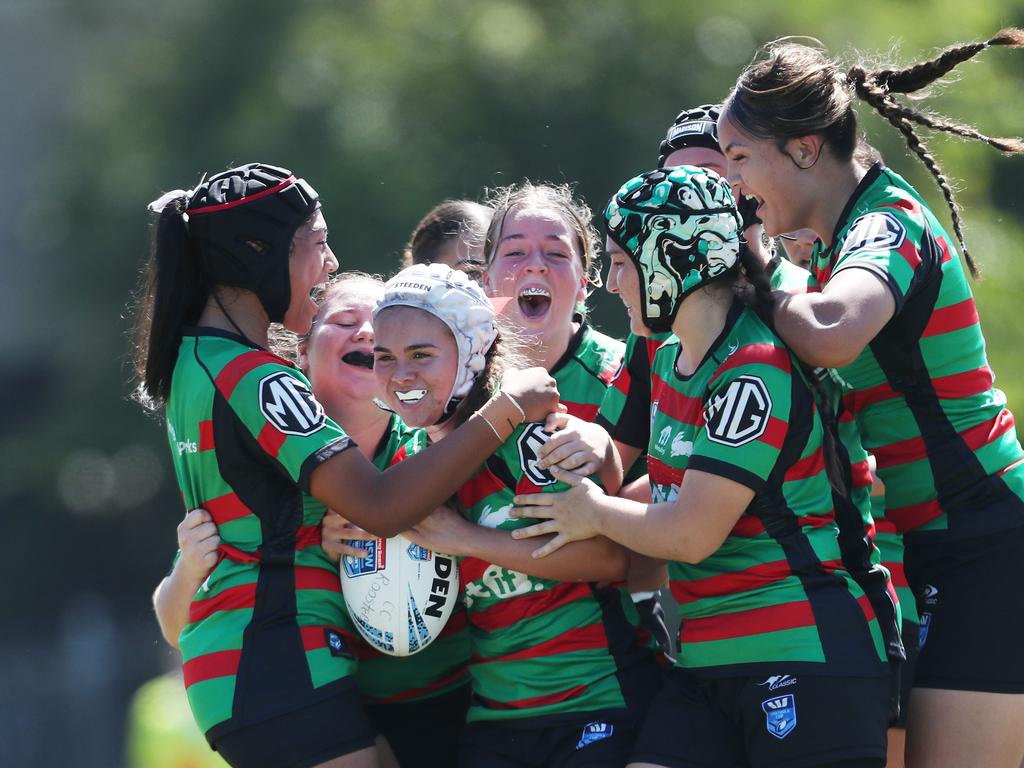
(661, 473)
(226, 508)
(884, 525)
(910, 253)
(607, 375)
(210, 665)
(534, 701)
(400, 455)
(754, 577)
(576, 639)
(506, 613)
(747, 527)
(755, 621)
(756, 354)
(622, 380)
(585, 411)
(1011, 467)
(946, 388)
(317, 578)
(271, 439)
(230, 599)
(452, 677)
(652, 346)
(865, 605)
(479, 487)
(237, 555)
(471, 569)
(913, 516)
(955, 317)
(974, 438)
(775, 433)
(899, 575)
(861, 474)
(307, 536)
(206, 435)
(455, 624)
(682, 408)
(807, 467)
(233, 372)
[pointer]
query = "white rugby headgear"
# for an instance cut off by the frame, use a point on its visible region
(460, 304)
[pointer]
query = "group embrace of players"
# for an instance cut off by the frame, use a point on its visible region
(815, 462)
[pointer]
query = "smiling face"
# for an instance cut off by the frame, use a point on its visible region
(799, 245)
(415, 362)
(310, 262)
(763, 170)
(338, 355)
(624, 281)
(538, 263)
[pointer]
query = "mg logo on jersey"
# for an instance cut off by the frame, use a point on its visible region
(740, 414)
(780, 715)
(530, 441)
(288, 405)
(875, 231)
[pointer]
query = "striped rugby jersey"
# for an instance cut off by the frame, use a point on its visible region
(922, 392)
(776, 590)
(267, 632)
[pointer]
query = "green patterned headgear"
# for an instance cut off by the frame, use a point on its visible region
(681, 229)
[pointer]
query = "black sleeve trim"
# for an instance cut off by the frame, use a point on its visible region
(881, 274)
(727, 470)
(321, 455)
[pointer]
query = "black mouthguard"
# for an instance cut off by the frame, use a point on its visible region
(362, 359)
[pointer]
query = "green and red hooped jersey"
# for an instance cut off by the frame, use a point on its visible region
(268, 632)
(922, 391)
(542, 648)
(776, 590)
(586, 368)
(861, 553)
(890, 547)
(439, 667)
(626, 407)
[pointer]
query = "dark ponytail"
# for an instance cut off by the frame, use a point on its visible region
(762, 301)
(172, 295)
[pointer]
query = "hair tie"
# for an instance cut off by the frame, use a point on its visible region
(158, 205)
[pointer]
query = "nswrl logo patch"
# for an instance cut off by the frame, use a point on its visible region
(780, 715)
(740, 414)
(875, 231)
(288, 405)
(595, 731)
(530, 441)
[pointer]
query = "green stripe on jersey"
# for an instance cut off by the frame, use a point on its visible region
(245, 433)
(922, 392)
(747, 414)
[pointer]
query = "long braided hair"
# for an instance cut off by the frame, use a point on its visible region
(795, 90)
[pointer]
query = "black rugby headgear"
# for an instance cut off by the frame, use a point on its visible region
(242, 222)
(698, 127)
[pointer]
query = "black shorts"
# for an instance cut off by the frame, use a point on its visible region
(597, 742)
(427, 731)
(782, 720)
(970, 624)
(303, 738)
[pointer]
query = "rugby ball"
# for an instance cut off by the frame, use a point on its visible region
(400, 594)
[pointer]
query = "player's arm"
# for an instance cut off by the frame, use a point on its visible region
(387, 503)
(688, 530)
(831, 328)
(197, 543)
(595, 559)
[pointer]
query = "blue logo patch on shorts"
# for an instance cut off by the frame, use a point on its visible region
(371, 562)
(780, 713)
(922, 629)
(595, 731)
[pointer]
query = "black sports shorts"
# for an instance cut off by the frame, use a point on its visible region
(303, 738)
(423, 732)
(792, 720)
(595, 742)
(968, 596)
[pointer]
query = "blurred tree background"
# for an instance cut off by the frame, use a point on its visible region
(387, 107)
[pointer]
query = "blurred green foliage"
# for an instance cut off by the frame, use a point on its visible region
(387, 107)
